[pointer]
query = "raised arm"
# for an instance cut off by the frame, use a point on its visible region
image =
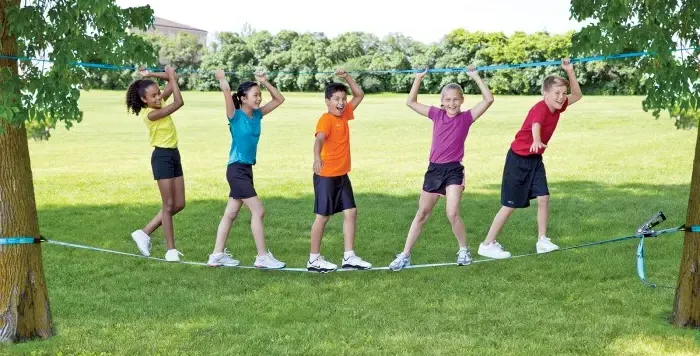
(177, 102)
(277, 98)
(487, 100)
(226, 89)
(412, 100)
(160, 75)
(357, 93)
(576, 93)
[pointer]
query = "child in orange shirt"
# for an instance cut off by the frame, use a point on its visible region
(332, 188)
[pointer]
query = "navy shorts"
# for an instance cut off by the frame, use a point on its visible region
(440, 175)
(332, 194)
(166, 163)
(524, 178)
(240, 180)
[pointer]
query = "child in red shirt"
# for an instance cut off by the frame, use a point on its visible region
(524, 175)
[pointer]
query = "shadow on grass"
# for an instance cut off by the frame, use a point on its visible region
(575, 302)
(579, 212)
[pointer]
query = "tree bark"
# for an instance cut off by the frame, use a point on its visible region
(24, 304)
(686, 308)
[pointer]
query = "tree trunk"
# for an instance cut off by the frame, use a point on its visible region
(24, 302)
(686, 308)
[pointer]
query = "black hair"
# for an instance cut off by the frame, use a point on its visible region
(241, 92)
(136, 91)
(332, 88)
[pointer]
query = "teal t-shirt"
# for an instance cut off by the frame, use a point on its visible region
(245, 134)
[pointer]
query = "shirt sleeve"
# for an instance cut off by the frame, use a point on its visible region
(323, 125)
(257, 114)
(433, 113)
(468, 117)
(537, 114)
(349, 112)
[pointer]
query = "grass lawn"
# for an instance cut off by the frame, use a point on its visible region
(610, 166)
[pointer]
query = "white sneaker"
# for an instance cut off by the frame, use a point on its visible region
(464, 257)
(356, 262)
(143, 242)
(173, 255)
(222, 259)
(544, 245)
(400, 262)
(320, 265)
(493, 250)
(268, 261)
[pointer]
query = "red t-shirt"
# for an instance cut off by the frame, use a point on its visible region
(538, 114)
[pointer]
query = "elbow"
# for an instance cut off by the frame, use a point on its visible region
(490, 100)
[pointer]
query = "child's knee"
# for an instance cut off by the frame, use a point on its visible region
(169, 207)
(259, 213)
(422, 215)
(350, 213)
(452, 214)
(178, 207)
(230, 214)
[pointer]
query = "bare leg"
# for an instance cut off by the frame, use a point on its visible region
(349, 226)
(498, 222)
(256, 223)
(454, 197)
(317, 232)
(230, 213)
(426, 203)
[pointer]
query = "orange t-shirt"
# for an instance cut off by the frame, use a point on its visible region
(335, 152)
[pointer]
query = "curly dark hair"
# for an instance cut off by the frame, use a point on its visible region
(241, 92)
(136, 91)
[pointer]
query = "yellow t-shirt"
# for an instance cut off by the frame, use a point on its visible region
(162, 131)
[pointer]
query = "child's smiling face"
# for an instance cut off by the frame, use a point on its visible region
(451, 100)
(336, 104)
(152, 97)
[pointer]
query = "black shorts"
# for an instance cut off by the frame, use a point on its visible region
(166, 163)
(440, 175)
(524, 178)
(240, 180)
(332, 194)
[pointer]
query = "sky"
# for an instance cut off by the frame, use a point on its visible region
(380, 17)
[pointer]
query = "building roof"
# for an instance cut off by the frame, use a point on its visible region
(161, 22)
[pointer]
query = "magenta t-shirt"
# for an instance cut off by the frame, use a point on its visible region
(449, 134)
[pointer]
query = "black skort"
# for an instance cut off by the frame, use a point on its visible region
(440, 175)
(240, 180)
(166, 163)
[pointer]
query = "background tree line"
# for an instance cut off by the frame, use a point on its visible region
(294, 59)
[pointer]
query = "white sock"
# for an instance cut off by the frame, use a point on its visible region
(463, 248)
(348, 254)
(314, 256)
